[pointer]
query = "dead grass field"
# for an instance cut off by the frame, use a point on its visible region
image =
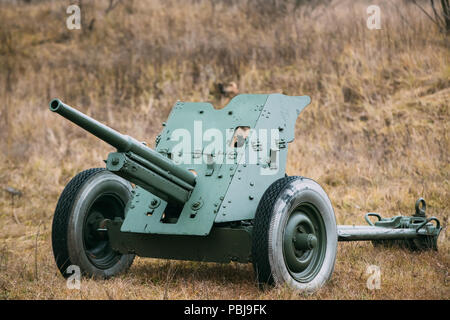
(376, 135)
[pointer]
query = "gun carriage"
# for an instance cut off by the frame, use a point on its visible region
(223, 197)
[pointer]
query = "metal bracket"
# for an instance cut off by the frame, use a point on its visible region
(415, 232)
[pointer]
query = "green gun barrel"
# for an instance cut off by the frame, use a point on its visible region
(122, 142)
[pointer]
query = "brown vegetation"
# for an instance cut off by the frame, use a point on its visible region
(376, 135)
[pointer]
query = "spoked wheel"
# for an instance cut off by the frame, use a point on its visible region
(78, 234)
(295, 235)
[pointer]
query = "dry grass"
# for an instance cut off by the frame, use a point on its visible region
(376, 135)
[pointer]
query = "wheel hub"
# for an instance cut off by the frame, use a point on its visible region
(304, 242)
(96, 241)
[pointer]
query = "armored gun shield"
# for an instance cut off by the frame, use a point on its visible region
(235, 153)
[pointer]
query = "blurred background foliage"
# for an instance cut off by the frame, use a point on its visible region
(376, 135)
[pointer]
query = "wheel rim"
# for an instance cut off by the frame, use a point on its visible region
(95, 241)
(304, 242)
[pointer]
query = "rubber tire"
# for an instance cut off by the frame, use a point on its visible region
(270, 218)
(68, 220)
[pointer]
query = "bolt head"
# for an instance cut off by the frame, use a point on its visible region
(312, 241)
